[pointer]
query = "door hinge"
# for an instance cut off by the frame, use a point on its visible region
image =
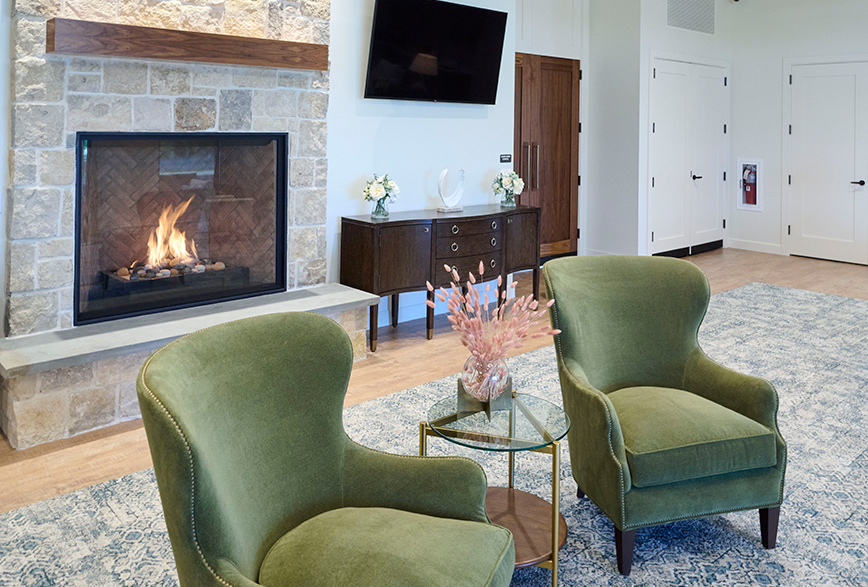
(791, 129)
(724, 223)
(724, 176)
(580, 75)
(791, 79)
(580, 127)
(789, 180)
(652, 236)
(724, 81)
(578, 233)
(653, 127)
(655, 73)
(580, 180)
(724, 129)
(652, 182)
(789, 229)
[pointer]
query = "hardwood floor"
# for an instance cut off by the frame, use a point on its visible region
(404, 358)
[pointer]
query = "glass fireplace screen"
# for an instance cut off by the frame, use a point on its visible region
(172, 220)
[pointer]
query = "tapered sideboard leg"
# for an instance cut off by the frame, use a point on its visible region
(395, 310)
(372, 326)
(429, 317)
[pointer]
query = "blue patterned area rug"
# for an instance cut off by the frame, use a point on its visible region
(812, 346)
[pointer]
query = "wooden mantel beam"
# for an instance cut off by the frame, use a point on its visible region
(81, 37)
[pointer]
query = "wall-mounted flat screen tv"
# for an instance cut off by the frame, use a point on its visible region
(435, 51)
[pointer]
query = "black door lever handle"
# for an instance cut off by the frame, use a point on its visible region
(697, 177)
(860, 182)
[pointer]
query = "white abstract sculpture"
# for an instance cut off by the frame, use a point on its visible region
(450, 203)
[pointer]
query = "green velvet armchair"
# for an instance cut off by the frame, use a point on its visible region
(660, 432)
(260, 485)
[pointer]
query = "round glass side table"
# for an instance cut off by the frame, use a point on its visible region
(530, 424)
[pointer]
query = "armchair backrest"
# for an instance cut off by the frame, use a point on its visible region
(244, 422)
(627, 321)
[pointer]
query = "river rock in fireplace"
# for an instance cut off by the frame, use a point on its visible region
(141, 278)
(144, 271)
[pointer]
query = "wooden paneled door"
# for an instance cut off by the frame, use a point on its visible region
(546, 152)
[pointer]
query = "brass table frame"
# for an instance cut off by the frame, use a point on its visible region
(553, 448)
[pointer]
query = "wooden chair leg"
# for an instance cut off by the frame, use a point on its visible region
(769, 526)
(624, 549)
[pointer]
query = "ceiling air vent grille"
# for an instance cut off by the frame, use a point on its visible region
(694, 15)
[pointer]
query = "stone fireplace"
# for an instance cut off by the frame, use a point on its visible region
(56, 97)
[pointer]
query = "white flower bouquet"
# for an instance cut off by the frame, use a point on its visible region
(507, 184)
(380, 190)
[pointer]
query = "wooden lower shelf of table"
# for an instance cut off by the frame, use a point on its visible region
(529, 518)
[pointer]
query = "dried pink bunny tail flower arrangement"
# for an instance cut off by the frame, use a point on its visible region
(489, 332)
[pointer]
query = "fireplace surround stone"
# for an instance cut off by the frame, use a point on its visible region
(62, 383)
(55, 96)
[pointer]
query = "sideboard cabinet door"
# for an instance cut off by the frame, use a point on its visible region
(405, 257)
(522, 237)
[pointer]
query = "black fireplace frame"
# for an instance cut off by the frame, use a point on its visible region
(281, 221)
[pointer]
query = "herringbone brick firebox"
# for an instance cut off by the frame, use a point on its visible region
(223, 196)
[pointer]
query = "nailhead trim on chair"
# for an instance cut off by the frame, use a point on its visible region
(189, 456)
(560, 355)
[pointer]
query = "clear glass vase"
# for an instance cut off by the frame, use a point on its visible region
(508, 200)
(380, 208)
(485, 381)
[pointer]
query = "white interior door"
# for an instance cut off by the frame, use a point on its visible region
(668, 210)
(706, 118)
(687, 155)
(828, 212)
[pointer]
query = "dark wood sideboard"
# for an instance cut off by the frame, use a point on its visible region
(389, 256)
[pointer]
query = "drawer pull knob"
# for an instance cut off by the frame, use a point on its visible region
(454, 247)
(493, 264)
(494, 242)
(454, 229)
(494, 224)
(509, 220)
(426, 229)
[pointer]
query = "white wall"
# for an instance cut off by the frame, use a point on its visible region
(5, 122)
(764, 34)
(411, 141)
(624, 35)
(612, 127)
(550, 27)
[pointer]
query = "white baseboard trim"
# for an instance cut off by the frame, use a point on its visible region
(757, 247)
(591, 252)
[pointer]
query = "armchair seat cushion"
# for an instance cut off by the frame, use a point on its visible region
(673, 435)
(388, 547)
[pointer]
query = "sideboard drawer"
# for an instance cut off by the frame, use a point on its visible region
(463, 246)
(464, 265)
(446, 227)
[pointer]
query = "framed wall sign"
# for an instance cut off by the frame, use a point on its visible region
(750, 188)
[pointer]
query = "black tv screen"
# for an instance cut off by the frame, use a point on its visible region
(435, 51)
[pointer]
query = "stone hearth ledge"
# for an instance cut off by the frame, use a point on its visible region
(62, 383)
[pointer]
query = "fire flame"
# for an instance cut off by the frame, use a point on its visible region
(167, 245)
